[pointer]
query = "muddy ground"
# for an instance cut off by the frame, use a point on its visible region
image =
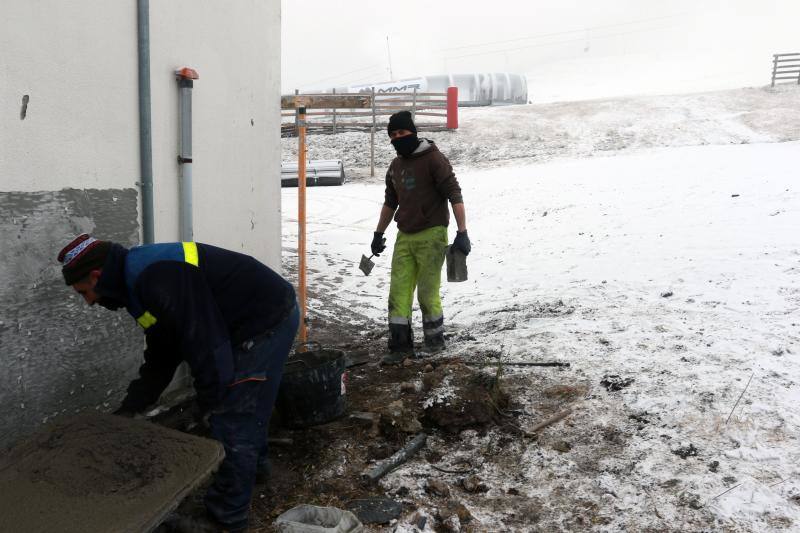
(457, 405)
(647, 446)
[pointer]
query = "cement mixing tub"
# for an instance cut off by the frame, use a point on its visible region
(313, 387)
(101, 473)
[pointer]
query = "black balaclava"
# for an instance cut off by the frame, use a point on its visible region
(109, 303)
(405, 146)
(111, 288)
(402, 120)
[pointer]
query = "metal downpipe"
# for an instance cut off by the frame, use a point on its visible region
(186, 77)
(145, 128)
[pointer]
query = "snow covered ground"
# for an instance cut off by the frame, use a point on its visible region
(490, 136)
(668, 269)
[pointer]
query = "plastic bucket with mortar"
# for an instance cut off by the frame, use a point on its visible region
(313, 387)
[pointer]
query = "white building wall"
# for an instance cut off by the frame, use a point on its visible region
(77, 62)
(235, 49)
(72, 165)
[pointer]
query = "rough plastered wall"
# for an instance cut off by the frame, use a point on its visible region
(69, 162)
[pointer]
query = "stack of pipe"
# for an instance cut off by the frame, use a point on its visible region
(319, 172)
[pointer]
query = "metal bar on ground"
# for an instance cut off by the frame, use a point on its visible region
(552, 420)
(518, 363)
(400, 457)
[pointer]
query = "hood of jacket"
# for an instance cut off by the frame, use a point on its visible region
(425, 146)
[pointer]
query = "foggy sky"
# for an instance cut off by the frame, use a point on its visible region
(329, 44)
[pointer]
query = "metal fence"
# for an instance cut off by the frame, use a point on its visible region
(786, 67)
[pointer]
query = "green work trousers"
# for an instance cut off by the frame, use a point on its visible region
(417, 264)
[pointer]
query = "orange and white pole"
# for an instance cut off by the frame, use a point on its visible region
(301, 219)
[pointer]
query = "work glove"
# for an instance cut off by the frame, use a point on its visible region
(199, 423)
(378, 243)
(461, 242)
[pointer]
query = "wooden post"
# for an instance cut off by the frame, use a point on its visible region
(372, 139)
(334, 116)
(301, 219)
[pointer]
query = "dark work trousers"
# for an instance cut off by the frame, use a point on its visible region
(241, 421)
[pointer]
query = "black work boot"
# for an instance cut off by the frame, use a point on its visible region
(401, 344)
(435, 343)
(175, 523)
(433, 329)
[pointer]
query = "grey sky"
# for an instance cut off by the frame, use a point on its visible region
(334, 43)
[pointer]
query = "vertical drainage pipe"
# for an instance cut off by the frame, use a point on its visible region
(145, 130)
(186, 77)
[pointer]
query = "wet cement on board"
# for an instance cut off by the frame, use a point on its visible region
(101, 473)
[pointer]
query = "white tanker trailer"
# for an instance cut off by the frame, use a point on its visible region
(473, 89)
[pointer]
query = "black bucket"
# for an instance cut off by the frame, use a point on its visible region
(312, 390)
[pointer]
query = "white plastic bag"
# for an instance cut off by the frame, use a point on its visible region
(313, 519)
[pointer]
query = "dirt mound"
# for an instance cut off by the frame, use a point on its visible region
(459, 397)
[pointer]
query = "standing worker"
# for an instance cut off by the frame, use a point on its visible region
(419, 183)
(231, 318)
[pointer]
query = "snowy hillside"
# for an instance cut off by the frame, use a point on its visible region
(541, 132)
(667, 273)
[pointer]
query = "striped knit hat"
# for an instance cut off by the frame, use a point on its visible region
(81, 256)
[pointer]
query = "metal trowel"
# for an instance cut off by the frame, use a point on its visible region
(366, 263)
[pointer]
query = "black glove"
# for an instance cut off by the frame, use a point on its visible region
(461, 242)
(200, 420)
(122, 411)
(378, 243)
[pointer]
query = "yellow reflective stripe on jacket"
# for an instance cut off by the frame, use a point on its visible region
(146, 320)
(190, 253)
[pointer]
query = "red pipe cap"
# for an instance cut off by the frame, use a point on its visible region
(187, 73)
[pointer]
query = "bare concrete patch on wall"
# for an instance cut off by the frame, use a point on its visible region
(59, 356)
